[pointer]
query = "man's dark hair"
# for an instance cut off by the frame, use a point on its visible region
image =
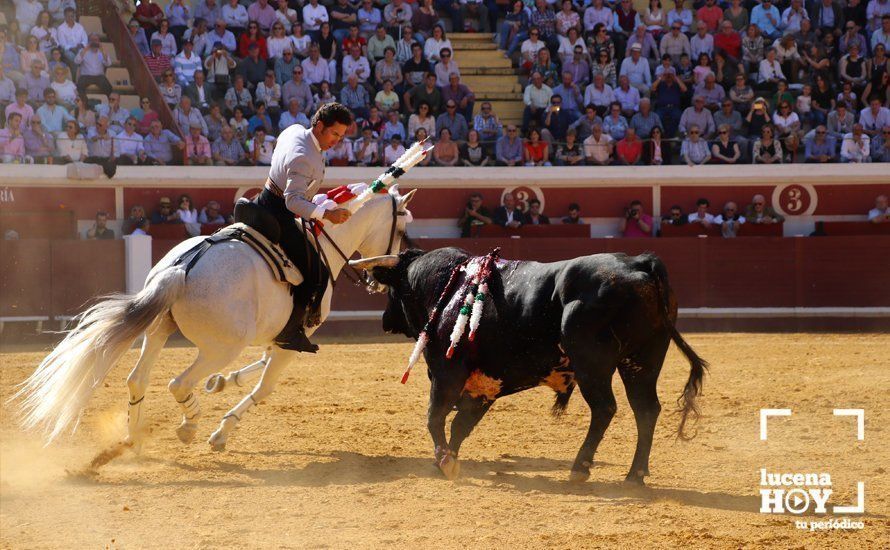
(676, 207)
(702, 201)
(332, 113)
(574, 206)
(534, 201)
(476, 194)
(635, 202)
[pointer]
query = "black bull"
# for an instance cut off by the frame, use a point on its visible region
(555, 324)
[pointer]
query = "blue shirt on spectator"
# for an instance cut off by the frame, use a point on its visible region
(759, 18)
(53, 118)
(827, 147)
(161, 147)
(507, 151)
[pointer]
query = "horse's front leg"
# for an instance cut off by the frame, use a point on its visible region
(278, 359)
(216, 383)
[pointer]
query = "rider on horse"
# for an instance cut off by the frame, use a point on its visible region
(296, 174)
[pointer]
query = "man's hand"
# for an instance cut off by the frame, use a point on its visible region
(338, 215)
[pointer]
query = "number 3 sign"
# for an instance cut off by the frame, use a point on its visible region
(795, 199)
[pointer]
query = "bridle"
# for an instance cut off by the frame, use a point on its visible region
(360, 278)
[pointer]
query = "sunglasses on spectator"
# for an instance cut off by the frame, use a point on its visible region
(723, 132)
(451, 106)
(823, 131)
(533, 34)
(758, 204)
(730, 209)
(693, 133)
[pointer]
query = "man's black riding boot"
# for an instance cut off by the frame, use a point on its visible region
(293, 335)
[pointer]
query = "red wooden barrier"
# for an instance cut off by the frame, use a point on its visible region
(688, 230)
(25, 284)
(40, 225)
(84, 270)
(834, 229)
(533, 231)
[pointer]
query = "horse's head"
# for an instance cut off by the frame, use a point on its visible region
(385, 218)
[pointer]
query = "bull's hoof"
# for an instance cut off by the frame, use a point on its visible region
(450, 467)
(186, 432)
(636, 477)
(579, 476)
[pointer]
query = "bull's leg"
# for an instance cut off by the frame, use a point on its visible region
(444, 393)
(640, 378)
(470, 411)
(595, 382)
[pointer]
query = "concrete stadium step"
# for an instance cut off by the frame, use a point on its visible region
(482, 59)
(471, 36)
(91, 24)
(497, 96)
(508, 72)
(472, 45)
(120, 79)
(492, 83)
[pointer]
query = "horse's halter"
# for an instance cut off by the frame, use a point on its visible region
(353, 274)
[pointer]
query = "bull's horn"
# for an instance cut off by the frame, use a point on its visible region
(390, 260)
(406, 198)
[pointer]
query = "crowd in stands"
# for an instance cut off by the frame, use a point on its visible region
(635, 222)
(711, 82)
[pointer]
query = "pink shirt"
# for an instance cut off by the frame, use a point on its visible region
(27, 112)
(197, 148)
(14, 146)
(633, 229)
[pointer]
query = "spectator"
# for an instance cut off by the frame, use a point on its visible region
(729, 117)
(394, 127)
(711, 92)
(356, 64)
(536, 98)
(100, 230)
(127, 146)
(226, 151)
(446, 67)
(259, 119)
(223, 36)
(157, 62)
(472, 153)
(759, 212)
(252, 66)
(675, 217)
(7, 90)
(729, 221)
(599, 94)
(386, 99)
(821, 147)
(365, 149)
(171, 92)
(487, 124)
(263, 14)
(293, 115)
(427, 92)
(880, 146)
(144, 116)
(341, 154)
(584, 125)
(51, 115)
(32, 53)
(767, 18)
(324, 96)
(167, 39)
(840, 121)
(656, 151)
(393, 150)
(636, 68)
(235, 18)
(116, 114)
(12, 140)
(21, 107)
(787, 125)
(509, 148)
(342, 15)
(598, 147)
(100, 145)
(629, 150)
(200, 91)
(159, 143)
(767, 150)
(379, 43)
(66, 91)
(219, 66)
(508, 214)
(260, 148)
(446, 152)
(574, 214)
(757, 117)
(197, 147)
(374, 120)
(614, 124)
(45, 32)
(201, 38)
(239, 96)
(207, 10)
(71, 147)
(635, 223)
(39, 145)
(579, 69)
(316, 69)
(314, 15)
(148, 14)
(454, 121)
(570, 152)
(164, 213)
(701, 214)
(535, 152)
(534, 215)
(475, 214)
(186, 64)
(881, 212)
(356, 97)
(141, 226)
(725, 150)
(856, 146)
(694, 149)
(699, 117)
(875, 117)
(434, 45)
(648, 47)
(416, 68)
(185, 212)
(528, 51)
(627, 97)
(460, 94)
(301, 42)
(210, 214)
(184, 116)
(675, 43)
(668, 92)
(36, 82)
(71, 37)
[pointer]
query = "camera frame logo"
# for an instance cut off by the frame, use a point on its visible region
(808, 492)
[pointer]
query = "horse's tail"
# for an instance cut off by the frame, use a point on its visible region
(55, 394)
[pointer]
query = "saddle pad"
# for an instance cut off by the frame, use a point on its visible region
(282, 268)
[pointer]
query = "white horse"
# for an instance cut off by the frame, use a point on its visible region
(229, 300)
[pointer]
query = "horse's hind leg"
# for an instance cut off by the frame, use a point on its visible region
(182, 387)
(278, 360)
(137, 382)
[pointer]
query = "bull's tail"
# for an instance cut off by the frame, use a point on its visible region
(55, 394)
(688, 400)
(562, 401)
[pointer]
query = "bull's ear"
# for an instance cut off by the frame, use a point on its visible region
(406, 198)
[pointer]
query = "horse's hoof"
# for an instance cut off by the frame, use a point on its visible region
(577, 476)
(215, 383)
(450, 467)
(217, 442)
(186, 432)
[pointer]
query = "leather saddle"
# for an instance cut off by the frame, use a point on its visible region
(251, 214)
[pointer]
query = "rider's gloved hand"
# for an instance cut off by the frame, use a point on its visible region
(338, 215)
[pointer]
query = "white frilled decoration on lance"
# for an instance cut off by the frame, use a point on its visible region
(475, 293)
(353, 196)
